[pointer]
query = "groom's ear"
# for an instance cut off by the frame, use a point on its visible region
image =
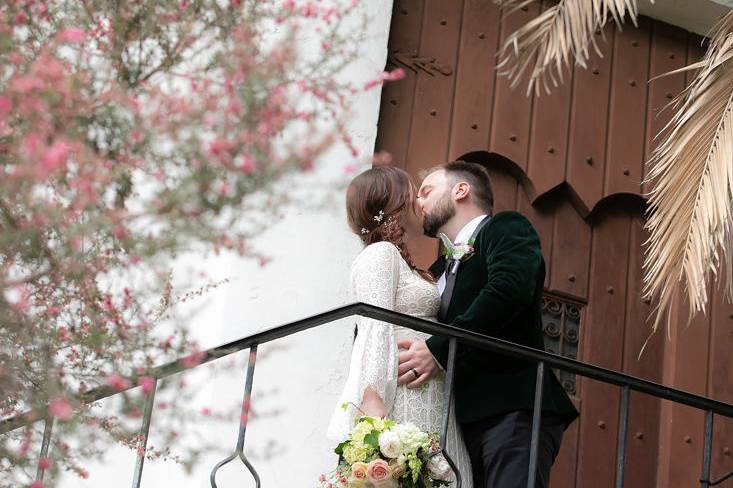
(461, 190)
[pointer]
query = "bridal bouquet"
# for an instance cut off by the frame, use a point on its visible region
(380, 453)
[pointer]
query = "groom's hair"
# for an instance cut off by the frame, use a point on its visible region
(475, 175)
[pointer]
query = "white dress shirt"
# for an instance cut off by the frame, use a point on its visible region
(462, 238)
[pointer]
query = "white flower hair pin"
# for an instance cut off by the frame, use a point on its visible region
(378, 219)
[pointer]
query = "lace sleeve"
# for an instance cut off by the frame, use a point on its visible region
(374, 279)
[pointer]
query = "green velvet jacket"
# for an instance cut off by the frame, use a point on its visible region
(498, 293)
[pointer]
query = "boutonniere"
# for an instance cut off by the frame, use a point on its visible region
(456, 252)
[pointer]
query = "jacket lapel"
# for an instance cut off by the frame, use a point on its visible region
(451, 277)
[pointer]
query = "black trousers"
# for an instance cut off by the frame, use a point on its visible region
(499, 449)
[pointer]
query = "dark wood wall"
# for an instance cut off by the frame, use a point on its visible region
(573, 162)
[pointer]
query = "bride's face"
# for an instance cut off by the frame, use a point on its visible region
(412, 217)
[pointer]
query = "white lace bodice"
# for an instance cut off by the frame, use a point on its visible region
(380, 276)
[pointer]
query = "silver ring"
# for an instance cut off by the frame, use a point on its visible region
(414, 371)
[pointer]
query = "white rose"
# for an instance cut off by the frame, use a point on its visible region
(390, 444)
(438, 468)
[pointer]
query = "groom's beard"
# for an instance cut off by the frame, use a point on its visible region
(444, 211)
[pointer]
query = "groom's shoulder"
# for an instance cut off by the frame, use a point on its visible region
(508, 221)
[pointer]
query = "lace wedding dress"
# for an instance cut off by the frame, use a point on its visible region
(380, 276)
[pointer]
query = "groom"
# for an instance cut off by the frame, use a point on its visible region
(497, 292)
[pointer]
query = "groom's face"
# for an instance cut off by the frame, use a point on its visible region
(436, 202)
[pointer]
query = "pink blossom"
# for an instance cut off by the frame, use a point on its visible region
(62, 334)
(6, 105)
(206, 412)
(193, 359)
(55, 156)
(31, 142)
(117, 382)
(36, 484)
(18, 297)
(247, 165)
(83, 473)
(147, 383)
(394, 75)
(44, 463)
(224, 189)
(119, 232)
(21, 17)
(60, 408)
(72, 34)
(24, 447)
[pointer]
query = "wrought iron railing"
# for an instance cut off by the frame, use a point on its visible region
(626, 382)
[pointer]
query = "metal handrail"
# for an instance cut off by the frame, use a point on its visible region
(454, 334)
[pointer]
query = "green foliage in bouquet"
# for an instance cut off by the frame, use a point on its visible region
(382, 453)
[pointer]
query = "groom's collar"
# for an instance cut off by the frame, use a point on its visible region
(467, 231)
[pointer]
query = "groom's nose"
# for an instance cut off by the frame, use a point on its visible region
(419, 201)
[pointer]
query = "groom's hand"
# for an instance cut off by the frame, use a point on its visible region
(417, 364)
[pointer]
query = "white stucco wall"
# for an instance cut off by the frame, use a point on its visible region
(297, 380)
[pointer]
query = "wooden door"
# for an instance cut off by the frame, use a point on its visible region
(573, 163)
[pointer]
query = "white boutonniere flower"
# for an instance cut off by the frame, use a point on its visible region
(456, 252)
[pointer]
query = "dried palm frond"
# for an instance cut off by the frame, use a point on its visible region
(545, 44)
(691, 173)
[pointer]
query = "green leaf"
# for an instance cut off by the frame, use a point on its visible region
(372, 439)
(340, 448)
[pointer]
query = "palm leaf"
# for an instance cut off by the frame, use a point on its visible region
(691, 176)
(546, 44)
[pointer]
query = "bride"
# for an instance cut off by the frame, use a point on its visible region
(382, 211)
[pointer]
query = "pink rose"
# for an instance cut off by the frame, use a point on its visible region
(378, 471)
(359, 471)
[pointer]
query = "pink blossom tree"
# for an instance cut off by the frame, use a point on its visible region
(131, 132)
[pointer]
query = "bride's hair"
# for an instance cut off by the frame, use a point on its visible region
(375, 202)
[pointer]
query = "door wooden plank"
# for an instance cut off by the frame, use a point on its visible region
(603, 341)
(668, 52)
(643, 439)
(431, 116)
(720, 383)
(627, 112)
(589, 122)
(571, 245)
(548, 154)
(475, 78)
(395, 112)
(681, 427)
(512, 109)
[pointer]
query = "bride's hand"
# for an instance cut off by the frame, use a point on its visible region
(372, 404)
